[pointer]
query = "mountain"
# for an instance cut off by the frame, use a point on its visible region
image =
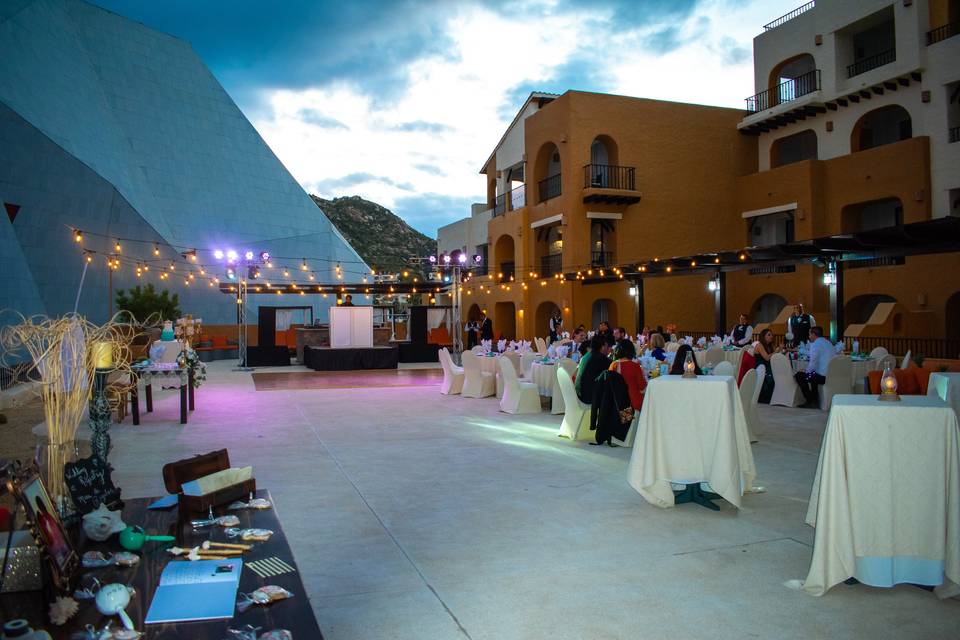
(383, 239)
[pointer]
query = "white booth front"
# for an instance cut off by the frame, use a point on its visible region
(351, 327)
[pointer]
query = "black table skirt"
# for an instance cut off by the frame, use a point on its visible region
(347, 359)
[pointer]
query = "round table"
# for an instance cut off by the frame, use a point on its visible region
(491, 364)
(544, 375)
(858, 371)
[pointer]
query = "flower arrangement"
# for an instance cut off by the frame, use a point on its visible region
(189, 358)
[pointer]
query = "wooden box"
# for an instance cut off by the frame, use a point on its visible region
(176, 474)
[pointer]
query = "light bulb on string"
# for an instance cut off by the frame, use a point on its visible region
(156, 250)
(303, 265)
(116, 247)
(173, 267)
(77, 235)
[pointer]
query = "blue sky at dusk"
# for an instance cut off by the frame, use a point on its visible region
(401, 102)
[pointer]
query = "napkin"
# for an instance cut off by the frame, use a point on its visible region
(551, 351)
(218, 480)
(702, 341)
(502, 345)
(562, 351)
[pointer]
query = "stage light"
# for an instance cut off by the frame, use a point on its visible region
(231, 255)
(248, 255)
(264, 256)
(218, 254)
(462, 258)
(432, 259)
(446, 258)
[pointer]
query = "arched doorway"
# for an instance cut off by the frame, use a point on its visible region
(603, 160)
(504, 257)
(952, 317)
(792, 78)
(876, 128)
(603, 309)
(766, 308)
(794, 148)
(542, 318)
(505, 320)
(876, 214)
(858, 309)
(547, 172)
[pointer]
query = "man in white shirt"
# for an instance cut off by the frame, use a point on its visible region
(742, 334)
(821, 351)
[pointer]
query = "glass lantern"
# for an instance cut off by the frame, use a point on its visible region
(888, 386)
(689, 366)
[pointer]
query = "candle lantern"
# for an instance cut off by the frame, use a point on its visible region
(103, 355)
(689, 366)
(888, 386)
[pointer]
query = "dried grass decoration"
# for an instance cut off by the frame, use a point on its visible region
(65, 352)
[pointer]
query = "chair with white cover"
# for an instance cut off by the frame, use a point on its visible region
(477, 383)
(557, 401)
(839, 380)
(906, 360)
(671, 346)
(541, 346)
(713, 357)
(723, 368)
(452, 374)
(786, 392)
(747, 387)
(758, 427)
(526, 363)
(888, 361)
(513, 357)
(878, 353)
(518, 396)
(576, 417)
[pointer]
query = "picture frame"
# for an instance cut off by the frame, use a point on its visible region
(27, 487)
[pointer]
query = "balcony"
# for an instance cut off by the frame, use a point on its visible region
(942, 33)
(789, 16)
(871, 62)
(601, 259)
(551, 265)
(954, 134)
(508, 269)
(548, 188)
(785, 92)
(609, 184)
(512, 200)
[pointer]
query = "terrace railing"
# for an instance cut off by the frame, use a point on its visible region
(601, 259)
(785, 91)
(871, 62)
(551, 265)
(789, 16)
(608, 176)
(512, 200)
(942, 33)
(500, 205)
(548, 188)
(954, 134)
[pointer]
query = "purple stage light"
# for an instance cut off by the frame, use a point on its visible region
(218, 254)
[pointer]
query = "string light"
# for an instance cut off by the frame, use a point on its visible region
(77, 235)
(303, 265)
(156, 250)
(116, 247)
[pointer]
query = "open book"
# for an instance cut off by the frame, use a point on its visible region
(200, 590)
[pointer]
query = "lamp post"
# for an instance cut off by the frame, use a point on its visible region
(241, 268)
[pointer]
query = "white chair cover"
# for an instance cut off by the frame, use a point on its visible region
(513, 357)
(747, 387)
(786, 393)
(878, 353)
(541, 346)
(576, 418)
(839, 380)
(476, 382)
(906, 360)
(713, 357)
(671, 347)
(887, 362)
(526, 361)
(557, 403)
(452, 374)
(758, 427)
(518, 396)
(723, 368)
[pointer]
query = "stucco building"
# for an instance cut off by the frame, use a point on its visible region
(853, 127)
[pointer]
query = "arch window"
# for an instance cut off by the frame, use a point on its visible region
(876, 214)
(859, 308)
(604, 309)
(767, 307)
(795, 148)
(885, 125)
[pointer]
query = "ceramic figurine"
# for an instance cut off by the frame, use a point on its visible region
(112, 600)
(167, 334)
(102, 523)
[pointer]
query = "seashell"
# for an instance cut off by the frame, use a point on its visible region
(101, 523)
(62, 609)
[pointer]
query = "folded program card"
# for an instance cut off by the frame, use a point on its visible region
(218, 480)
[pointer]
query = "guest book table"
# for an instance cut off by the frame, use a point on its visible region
(163, 372)
(294, 614)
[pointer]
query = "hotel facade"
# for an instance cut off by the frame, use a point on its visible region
(853, 130)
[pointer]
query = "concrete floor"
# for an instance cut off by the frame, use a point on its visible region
(417, 515)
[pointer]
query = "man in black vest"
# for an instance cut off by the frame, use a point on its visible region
(486, 328)
(742, 333)
(799, 324)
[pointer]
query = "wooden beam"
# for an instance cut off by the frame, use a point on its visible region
(904, 82)
(832, 106)
(865, 94)
(878, 90)
(890, 85)
(854, 98)
(916, 76)
(842, 102)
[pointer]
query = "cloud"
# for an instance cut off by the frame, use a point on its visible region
(314, 117)
(430, 168)
(353, 180)
(432, 210)
(420, 125)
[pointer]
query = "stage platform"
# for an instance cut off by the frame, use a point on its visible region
(350, 358)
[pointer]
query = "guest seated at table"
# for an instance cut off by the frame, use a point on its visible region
(676, 368)
(821, 351)
(657, 344)
(603, 329)
(763, 351)
(595, 362)
(619, 333)
(742, 333)
(624, 353)
(578, 338)
(645, 334)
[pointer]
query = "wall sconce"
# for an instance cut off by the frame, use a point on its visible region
(713, 285)
(632, 291)
(830, 278)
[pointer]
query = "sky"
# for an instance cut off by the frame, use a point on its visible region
(402, 102)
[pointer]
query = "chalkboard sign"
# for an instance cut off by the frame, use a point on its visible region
(89, 483)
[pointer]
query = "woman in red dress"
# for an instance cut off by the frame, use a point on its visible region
(624, 353)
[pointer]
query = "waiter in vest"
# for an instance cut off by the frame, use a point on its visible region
(800, 323)
(742, 333)
(486, 328)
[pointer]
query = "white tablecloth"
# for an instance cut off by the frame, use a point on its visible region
(858, 371)
(886, 495)
(691, 430)
(491, 364)
(946, 386)
(545, 377)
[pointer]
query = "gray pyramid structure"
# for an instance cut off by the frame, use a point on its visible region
(121, 131)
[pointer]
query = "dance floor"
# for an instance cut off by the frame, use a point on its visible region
(299, 380)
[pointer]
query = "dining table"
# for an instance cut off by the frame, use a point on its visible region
(859, 368)
(691, 431)
(885, 501)
(544, 375)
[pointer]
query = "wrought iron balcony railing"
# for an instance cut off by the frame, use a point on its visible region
(512, 200)
(871, 62)
(548, 188)
(608, 176)
(789, 16)
(551, 265)
(508, 269)
(942, 33)
(785, 91)
(601, 259)
(500, 205)
(954, 135)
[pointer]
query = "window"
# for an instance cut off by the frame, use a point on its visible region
(774, 228)
(877, 214)
(885, 125)
(795, 148)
